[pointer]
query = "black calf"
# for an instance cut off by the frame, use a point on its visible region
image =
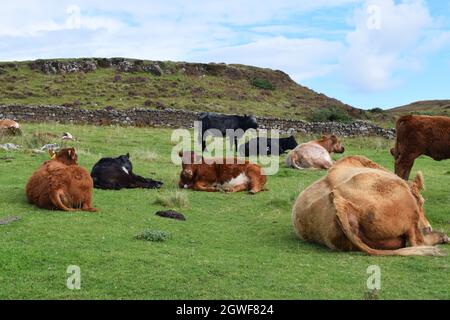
(117, 173)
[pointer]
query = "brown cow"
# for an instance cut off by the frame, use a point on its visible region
(215, 175)
(61, 184)
(420, 135)
(9, 127)
(315, 154)
(361, 206)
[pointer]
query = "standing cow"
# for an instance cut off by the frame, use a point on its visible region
(420, 135)
(222, 122)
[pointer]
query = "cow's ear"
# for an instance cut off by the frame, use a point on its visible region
(418, 181)
(180, 153)
(128, 155)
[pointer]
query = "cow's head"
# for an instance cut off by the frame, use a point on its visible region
(124, 161)
(290, 143)
(333, 144)
(67, 156)
(416, 186)
(189, 159)
(250, 122)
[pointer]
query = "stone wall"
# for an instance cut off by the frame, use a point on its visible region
(174, 118)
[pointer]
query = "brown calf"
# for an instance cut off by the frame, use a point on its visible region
(215, 175)
(61, 184)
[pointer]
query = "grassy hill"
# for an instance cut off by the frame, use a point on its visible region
(429, 107)
(96, 83)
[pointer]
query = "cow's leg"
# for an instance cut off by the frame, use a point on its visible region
(201, 186)
(434, 238)
(415, 237)
(238, 188)
(404, 164)
(87, 206)
(235, 144)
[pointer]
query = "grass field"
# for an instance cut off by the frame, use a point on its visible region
(232, 246)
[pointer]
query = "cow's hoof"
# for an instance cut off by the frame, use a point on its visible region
(252, 192)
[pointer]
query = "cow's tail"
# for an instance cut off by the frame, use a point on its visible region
(57, 201)
(292, 161)
(355, 239)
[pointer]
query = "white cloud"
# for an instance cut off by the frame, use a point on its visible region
(375, 57)
(302, 58)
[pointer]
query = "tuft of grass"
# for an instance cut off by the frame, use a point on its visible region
(146, 155)
(172, 199)
(153, 235)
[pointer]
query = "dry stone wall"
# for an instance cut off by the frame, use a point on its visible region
(175, 118)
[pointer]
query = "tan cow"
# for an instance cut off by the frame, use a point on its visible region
(315, 154)
(361, 206)
(9, 127)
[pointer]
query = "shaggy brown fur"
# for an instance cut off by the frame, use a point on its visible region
(420, 135)
(60, 184)
(361, 206)
(213, 175)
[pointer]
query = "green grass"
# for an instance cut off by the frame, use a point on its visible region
(232, 246)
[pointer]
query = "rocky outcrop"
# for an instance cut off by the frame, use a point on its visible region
(178, 119)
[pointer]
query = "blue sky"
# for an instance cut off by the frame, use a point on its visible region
(367, 53)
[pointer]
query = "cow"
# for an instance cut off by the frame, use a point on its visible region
(117, 173)
(60, 184)
(214, 175)
(315, 154)
(272, 146)
(420, 135)
(359, 205)
(222, 122)
(10, 127)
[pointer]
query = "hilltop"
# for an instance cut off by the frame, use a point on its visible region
(119, 83)
(429, 107)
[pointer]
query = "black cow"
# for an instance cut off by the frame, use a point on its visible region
(223, 122)
(272, 146)
(117, 173)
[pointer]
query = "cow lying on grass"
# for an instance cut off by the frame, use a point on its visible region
(9, 127)
(60, 184)
(420, 135)
(361, 206)
(271, 146)
(315, 154)
(117, 173)
(215, 175)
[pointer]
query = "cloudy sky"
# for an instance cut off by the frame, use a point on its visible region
(368, 53)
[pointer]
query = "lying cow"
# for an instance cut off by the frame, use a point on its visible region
(222, 123)
(315, 154)
(117, 173)
(60, 184)
(361, 206)
(271, 146)
(420, 135)
(215, 175)
(9, 127)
